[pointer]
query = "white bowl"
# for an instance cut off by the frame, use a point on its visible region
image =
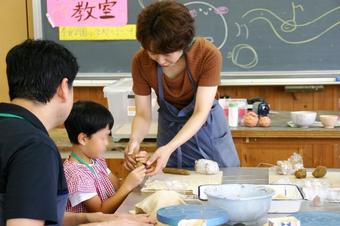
(303, 119)
(243, 203)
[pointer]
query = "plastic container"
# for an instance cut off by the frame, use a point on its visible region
(233, 114)
(121, 103)
(224, 104)
(242, 107)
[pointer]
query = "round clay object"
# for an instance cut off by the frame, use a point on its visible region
(250, 119)
(301, 173)
(264, 121)
(319, 171)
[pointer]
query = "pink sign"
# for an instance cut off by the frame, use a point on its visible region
(89, 13)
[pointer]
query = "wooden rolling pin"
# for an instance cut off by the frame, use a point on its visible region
(176, 171)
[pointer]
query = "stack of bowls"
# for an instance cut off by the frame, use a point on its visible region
(244, 203)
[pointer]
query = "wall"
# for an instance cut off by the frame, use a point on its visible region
(15, 27)
(18, 14)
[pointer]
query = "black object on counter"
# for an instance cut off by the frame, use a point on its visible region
(261, 108)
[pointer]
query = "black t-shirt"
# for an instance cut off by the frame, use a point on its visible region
(32, 180)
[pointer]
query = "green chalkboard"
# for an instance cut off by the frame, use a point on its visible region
(253, 36)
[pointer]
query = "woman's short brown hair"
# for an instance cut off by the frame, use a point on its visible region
(165, 26)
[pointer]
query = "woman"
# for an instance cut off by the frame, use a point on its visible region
(185, 73)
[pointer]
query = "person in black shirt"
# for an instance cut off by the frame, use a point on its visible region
(33, 190)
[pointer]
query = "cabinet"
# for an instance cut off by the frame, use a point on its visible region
(265, 151)
(117, 168)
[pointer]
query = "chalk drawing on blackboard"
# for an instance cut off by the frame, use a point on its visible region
(235, 57)
(144, 3)
(201, 11)
(239, 30)
(222, 10)
(290, 25)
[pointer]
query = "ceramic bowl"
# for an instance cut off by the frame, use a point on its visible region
(303, 119)
(328, 121)
(244, 203)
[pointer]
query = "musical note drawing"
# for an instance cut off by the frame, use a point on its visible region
(235, 57)
(282, 28)
(202, 12)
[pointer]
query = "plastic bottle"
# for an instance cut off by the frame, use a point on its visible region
(233, 114)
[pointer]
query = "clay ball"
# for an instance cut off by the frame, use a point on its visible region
(301, 173)
(250, 119)
(264, 121)
(319, 172)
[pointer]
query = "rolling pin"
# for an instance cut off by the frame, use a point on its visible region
(176, 171)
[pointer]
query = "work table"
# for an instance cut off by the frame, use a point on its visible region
(235, 176)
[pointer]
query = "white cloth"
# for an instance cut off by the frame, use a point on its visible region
(157, 200)
(80, 197)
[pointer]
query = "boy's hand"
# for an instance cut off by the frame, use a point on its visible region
(141, 159)
(130, 150)
(135, 178)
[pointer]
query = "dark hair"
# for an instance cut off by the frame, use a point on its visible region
(165, 27)
(35, 68)
(87, 117)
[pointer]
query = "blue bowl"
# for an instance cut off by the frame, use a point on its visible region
(172, 215)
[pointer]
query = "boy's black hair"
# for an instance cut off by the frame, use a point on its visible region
(35, 69)
(87, 117)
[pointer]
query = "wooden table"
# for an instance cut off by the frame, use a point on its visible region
(235, 175)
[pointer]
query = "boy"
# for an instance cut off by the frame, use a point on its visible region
(92, 186)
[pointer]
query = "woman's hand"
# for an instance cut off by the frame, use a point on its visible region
(160, 158)
(141, 157)
(129, 154)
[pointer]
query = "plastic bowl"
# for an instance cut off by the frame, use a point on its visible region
(243, 203)
(303, 119)
(328, 121)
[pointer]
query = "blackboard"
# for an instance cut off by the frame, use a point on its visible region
(253, 36)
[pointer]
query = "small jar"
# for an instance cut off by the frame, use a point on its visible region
(233, 114)
(131, 107)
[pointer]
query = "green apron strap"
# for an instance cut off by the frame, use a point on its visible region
(8, 115)
(74, 155)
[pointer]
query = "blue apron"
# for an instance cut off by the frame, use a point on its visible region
(213, 141)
